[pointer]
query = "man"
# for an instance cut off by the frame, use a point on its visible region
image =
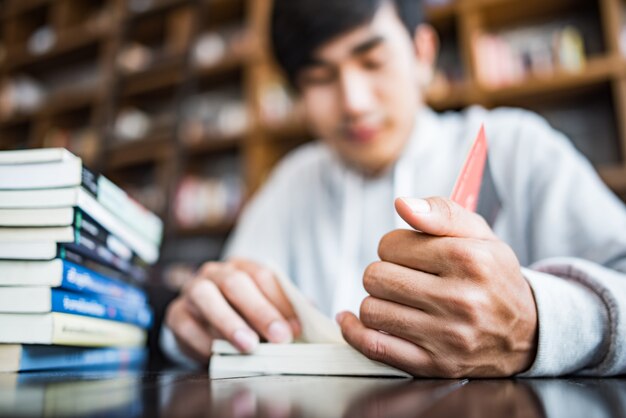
(452, 299)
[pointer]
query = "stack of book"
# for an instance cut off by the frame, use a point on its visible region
(74, 250)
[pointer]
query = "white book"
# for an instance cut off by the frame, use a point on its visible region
(53, 234)
(48, 168)
(28, 250)
(320, 351)
(37, 217)
(32, 178)
(296, 359)
(67, 329)
(145, 249)
(39, 155)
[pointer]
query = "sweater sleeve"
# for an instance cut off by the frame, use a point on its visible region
(582, 318)
(577, 246)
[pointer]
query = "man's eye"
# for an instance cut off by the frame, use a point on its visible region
(317, 77)
(373, 64)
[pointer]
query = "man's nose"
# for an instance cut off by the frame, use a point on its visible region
(356, 94)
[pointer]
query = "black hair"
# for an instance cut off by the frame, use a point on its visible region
(299, 27)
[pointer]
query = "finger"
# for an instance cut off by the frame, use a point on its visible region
(406, 286)
(401, 321)
(419, 251)
(245, 296)
(384, 348)
(269, 286)
(208, 299)
(442, 217)
(191, 335)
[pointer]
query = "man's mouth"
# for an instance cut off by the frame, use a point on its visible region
(363, 133)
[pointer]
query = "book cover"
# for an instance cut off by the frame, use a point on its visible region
(21, 358)
(39, 299)
(84, 251)
(69, 276)
(67, 329)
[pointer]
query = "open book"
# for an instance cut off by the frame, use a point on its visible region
(321, 349)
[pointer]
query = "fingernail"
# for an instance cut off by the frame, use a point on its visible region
(246, 340)
(339, 317)
(417, 205)
(279, 332)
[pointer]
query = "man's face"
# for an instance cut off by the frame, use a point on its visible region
(361, 93)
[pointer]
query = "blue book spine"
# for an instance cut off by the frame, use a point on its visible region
(101, 307)
(45, 357)
(83, 280)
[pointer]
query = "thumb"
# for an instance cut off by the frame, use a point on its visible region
(442, 217)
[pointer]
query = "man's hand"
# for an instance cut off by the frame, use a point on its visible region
(447, 301)
(239, 301)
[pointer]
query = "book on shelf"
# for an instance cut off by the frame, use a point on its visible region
(39, 299)
(68, 329)
(63, 274)
(22, 357)
(54, 177)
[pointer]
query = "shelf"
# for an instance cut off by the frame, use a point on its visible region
(166, 74)
(211, 145)
(160, 6)
(596, 72)
(501, 13)
(227, 65)
(614, 177)
(454, 97)
(288, 130)
(15, 8)
(220, 229)
(68, 41)
(133, 153)
(20, 119)
(442, 16)
(69, 100)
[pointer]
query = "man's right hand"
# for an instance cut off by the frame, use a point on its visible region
(239, 301)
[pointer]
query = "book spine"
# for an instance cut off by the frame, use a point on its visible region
(147, 250)
(78, 330)
(89, 180)
(81, 279)
(101, 307)
(44, 357)
(122, 206)
(103, 269)
(85, 223)
(86, 247)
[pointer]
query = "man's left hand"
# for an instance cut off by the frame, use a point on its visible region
(446, 300)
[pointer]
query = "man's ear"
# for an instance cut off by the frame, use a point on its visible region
(426, 45)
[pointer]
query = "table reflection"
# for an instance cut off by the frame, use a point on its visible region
(284, 396)
(178, 393)
(73, 393)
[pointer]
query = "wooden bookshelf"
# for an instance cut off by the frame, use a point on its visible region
(170, 29)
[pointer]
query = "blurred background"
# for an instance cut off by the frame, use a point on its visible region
(179, 103)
